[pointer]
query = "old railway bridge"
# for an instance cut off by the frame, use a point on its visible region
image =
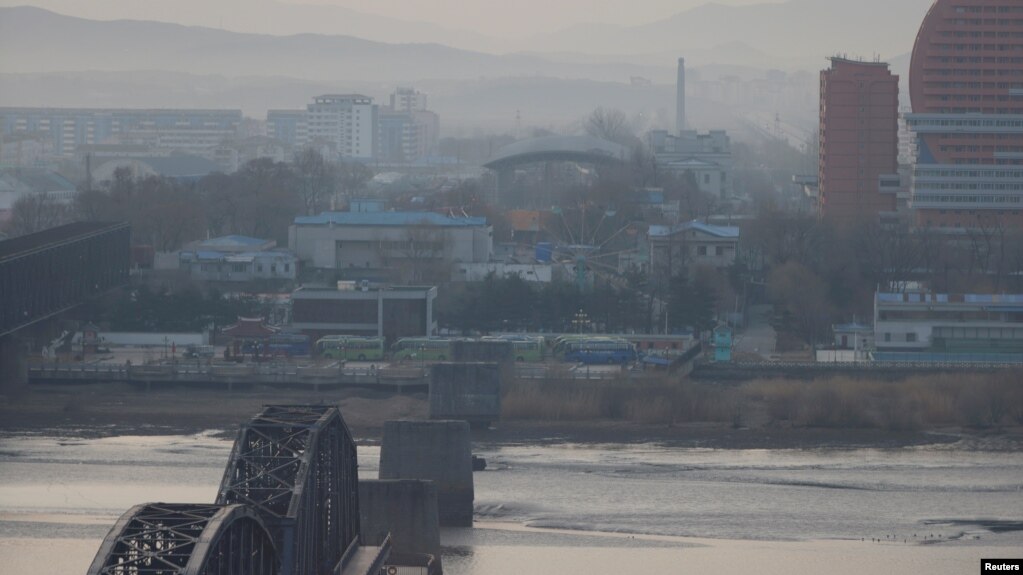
(288, 505)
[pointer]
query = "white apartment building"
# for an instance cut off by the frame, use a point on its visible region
(346, 121)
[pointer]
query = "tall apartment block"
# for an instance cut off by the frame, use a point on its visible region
(859, 141)
(346, 121)
(408, 100)
(966, 86)
(289, 126)
(354, 127)
(408, 132)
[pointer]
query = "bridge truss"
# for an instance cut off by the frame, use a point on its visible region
(187, 539)
(288, 505)
(297, 465)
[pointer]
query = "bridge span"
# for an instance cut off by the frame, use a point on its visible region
(47, 273)
(288, 505)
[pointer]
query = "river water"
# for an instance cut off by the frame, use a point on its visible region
(580, 509)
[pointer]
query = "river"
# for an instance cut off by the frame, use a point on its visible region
(580, 509)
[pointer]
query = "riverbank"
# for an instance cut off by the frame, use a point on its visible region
(116, 409)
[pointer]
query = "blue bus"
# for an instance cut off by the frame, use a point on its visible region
(599, 351)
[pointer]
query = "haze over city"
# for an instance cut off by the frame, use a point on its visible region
(308, 287)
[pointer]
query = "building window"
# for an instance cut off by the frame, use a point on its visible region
(911, 337)
(719, 250)
(287, 268)
(887, 337)
(273, 268)
(701, 250)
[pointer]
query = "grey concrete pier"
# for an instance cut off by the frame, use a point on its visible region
(439, 451)
(469, 391)
(405, 508)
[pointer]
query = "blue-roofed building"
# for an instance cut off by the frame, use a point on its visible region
(949, 323)
(692, 244)
(408, 246)
(237, 259)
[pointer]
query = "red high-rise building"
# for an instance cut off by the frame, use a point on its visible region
(966, 86)
(859, 140)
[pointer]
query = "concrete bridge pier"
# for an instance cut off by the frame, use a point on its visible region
(439, 451)
(13, 367)
(405, 508)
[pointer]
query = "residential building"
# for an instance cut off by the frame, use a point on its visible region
(237, 259)
(407, 131)
(25, 150)
(966, 87)
(708, 157)
(347, 121)
(410, 245)
(858, 171)
(691, 244)
(948, 323)
(186, 131)
(390, 312)
(290, 127)
(397, 138)
(408, 100)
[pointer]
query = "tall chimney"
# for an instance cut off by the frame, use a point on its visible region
(680, 97)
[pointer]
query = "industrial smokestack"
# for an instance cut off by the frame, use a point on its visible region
(680, 97)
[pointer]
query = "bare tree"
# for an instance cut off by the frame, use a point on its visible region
(36, 212)
(418, 256)
(316, 180)
(352, 177)
(611, 125)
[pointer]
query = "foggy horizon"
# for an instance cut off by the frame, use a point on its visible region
(488, 17)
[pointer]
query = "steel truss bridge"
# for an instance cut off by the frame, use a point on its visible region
(288, 505)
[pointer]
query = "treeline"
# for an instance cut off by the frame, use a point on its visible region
(817, 273)
(148, 308)
(608, 306)
(261, 200)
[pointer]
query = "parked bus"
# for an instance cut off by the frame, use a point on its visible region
(351, 347)
(422, 349)
(599, 350)
(287, 344)
(526, 348)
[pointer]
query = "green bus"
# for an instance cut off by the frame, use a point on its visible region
(422, 349)
(351, 347)
(526, 348)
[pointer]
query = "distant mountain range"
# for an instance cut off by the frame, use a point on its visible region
(788, 35)
(798, 32)
(33, 40)
(57, 60)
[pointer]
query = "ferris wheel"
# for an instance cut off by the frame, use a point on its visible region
(590, 239)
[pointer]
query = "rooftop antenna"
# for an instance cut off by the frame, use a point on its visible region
(518, 123)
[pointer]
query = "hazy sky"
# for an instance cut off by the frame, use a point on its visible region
(523, 17)
(502, 18)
